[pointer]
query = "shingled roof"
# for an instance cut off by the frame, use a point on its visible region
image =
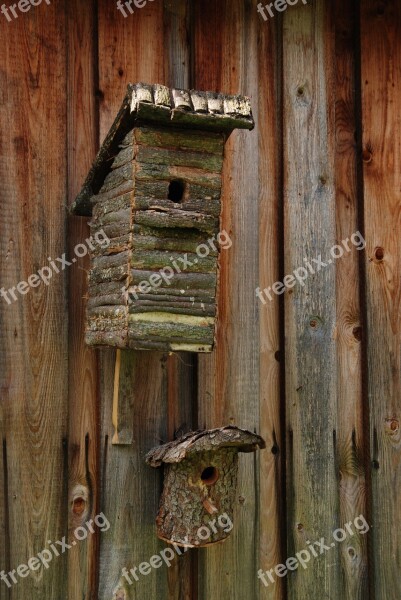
(158, 104)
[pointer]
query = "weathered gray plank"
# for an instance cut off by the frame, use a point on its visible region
(309, 221)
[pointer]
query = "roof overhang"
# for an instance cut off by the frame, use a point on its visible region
(158, 104)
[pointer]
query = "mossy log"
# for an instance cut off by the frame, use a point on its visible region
(111, 205)
(181, 281)
(117, 177)
(157, 259)
(208, 207)
(172, 327)
(177, 158)
(120, 190)
(152, 172)
(188, 140)
(178, 218)
(175, 306)
(152, 242)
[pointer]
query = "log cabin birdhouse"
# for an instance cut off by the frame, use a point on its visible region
(200, 484)
(154, 191)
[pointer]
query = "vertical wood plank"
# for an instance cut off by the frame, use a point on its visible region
(271, 346)
(130, 50)
(33, 354)
(309, 219)
(4, 517)
(182, 367)
(351, 432)
(226, 60)
(83, 387)
(381, 120)
(177, 31)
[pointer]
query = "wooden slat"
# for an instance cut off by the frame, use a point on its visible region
(130, 50)
(226, 60)
(182, 367)
(177, 59)
(4, 519)
(309, 220)
(351, 433)
(83, 386)
(381, 121)
(272, 508)
(33, 355)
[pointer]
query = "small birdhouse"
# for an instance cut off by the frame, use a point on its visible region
(200, 484)
(154, 193)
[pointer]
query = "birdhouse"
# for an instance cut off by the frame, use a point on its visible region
(200, 484)
(154, 193)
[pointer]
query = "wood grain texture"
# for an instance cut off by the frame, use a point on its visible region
(226, 60)
(130, 50)
(4, 517)
(83, 486)
(310, 310)
(381, 120)
(131, 489)
(33, 355)
(351, 434)
(272, 507)
(182, 368)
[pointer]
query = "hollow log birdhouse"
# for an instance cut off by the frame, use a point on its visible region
(154, 193)
(200, 484)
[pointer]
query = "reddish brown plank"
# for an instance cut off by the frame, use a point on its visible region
(381, 122)
(271, 347)
(34, 327)
(351, 435)
(84, 474)
(226, 60)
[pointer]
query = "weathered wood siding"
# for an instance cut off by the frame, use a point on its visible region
(315, 371)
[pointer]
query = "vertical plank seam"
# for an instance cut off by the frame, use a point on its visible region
(362, 294)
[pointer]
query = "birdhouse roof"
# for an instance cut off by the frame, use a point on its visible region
(160, 105)
(203, 441)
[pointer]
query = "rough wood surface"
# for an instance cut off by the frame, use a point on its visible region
(226, 58)
(84, 475)
(34, 333)
(173, 157)
(125, 54)
(351, 435)
(208, 206)
(203, 441)
(309, 212)
(182, 140)
(381, 116)
(185, 498)
(271, 396)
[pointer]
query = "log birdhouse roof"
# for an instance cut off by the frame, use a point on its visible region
(159, 105)
(203, 441)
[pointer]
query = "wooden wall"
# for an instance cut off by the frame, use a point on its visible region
(316, 372)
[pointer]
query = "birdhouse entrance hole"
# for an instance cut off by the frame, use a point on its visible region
(176, 191)
(210, 475)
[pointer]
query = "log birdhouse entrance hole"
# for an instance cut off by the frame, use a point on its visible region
(200, 484)
(154, 191)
